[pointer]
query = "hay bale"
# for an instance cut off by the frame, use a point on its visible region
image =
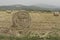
(21, 20)
(56, 13)
(8, 11)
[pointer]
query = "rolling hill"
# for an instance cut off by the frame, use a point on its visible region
(31, 7)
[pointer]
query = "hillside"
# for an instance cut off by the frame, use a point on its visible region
(31, 7)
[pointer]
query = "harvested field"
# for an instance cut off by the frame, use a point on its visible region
(37, 23)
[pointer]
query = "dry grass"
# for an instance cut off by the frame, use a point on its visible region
(41, 23)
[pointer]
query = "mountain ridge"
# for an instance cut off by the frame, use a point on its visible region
(31, 7)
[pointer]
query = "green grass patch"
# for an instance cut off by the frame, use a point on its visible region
(4, 37)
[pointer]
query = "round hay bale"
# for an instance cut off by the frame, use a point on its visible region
(56, 14)
(21, 20)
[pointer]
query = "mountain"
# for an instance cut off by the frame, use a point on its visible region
(11, 7)
(45, 6)
(48, 7)
(31, 7)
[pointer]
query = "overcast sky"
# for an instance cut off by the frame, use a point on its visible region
(30, 2)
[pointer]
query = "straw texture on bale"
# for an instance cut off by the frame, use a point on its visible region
(21, 20)
(56, 14)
